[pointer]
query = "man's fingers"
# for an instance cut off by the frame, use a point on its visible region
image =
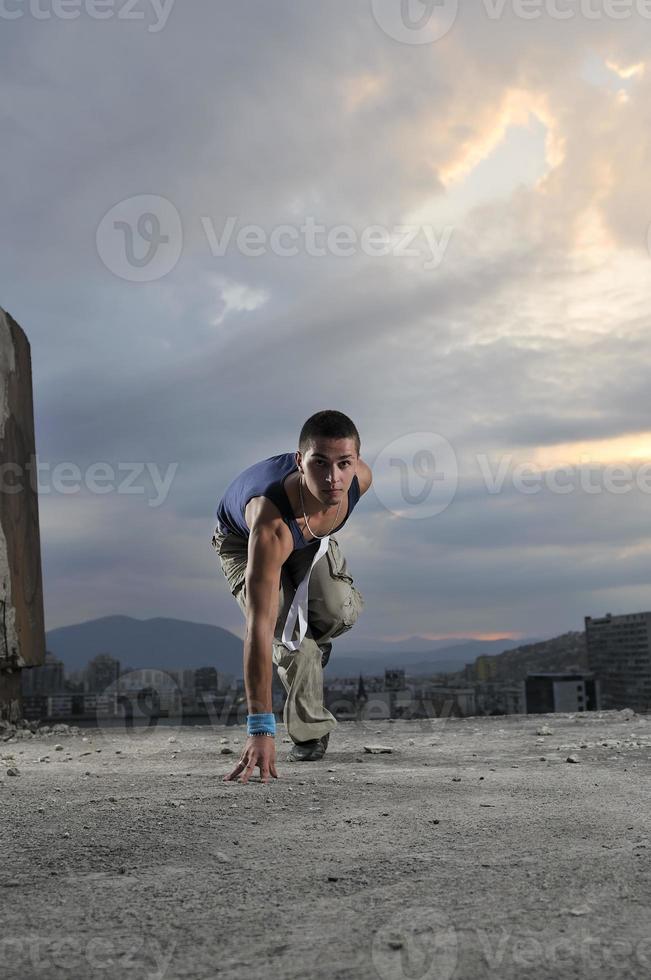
(264, 773)
(244, 778)
(247, 766)
(234, 772)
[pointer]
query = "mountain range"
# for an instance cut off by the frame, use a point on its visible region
(175, 644)
(168, 644)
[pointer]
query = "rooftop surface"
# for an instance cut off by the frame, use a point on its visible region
(471, 849)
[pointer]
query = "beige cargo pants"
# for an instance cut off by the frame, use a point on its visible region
(333, 607)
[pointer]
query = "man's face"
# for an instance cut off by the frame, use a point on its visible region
(328, 467)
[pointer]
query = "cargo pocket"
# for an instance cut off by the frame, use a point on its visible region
(350, 610)
(353, 601)
(338, 566)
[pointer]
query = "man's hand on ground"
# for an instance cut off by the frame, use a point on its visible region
(259, 750)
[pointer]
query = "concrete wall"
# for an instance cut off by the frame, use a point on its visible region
(22, 632)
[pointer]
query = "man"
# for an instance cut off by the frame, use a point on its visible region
(275, 541)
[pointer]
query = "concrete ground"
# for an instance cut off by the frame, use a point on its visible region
(472, 849)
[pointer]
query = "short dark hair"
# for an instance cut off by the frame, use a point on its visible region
(328, 424)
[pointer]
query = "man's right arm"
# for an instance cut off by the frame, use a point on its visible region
(270, 545)
(268, 550)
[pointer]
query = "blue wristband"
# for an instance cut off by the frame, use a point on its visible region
(261, 724)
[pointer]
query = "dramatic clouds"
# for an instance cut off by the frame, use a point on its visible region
(510, 157)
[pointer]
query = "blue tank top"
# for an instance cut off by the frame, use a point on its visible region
(264, 479)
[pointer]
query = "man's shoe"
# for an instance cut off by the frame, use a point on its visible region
(310, 751)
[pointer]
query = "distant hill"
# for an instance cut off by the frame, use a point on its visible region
(358, 646)
(560, 653)
(169, 644)
(416, 663)
(174, 644)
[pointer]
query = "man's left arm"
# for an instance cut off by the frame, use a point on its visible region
(364, 475)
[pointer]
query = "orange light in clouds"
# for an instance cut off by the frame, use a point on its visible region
(623, 449)
(630, 71)
(360, 89)
(514, 110)
(469, 635)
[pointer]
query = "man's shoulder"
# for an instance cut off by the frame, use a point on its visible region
(364, 476)
(270, 540)
(263, 517)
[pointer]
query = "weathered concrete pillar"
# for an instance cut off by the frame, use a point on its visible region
(22, 633)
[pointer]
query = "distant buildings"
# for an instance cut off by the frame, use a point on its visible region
(499, 698)
(46, 679)
(102, 673)
(547, 692)
(619, 654)
(185, 679)
(608, 666)
(394, 680)
(106, 690)
(376, 698)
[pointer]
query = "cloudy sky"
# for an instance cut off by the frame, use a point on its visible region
(219, 218)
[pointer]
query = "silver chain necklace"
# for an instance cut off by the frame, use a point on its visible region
(300, 490)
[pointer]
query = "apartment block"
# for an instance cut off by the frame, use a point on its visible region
(619, 655)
